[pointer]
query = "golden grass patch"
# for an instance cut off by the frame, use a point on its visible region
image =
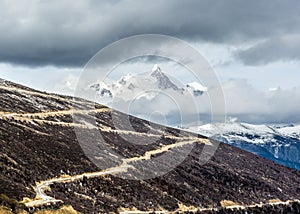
(228, 203)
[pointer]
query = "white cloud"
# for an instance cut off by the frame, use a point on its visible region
(249, 104)
(243, 103)
(48, 78)
(67, 85)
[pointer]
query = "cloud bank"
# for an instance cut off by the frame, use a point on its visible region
(68, 33)
(248, 104)
(243, 102)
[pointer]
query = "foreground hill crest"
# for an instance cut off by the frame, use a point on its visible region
(38, 144)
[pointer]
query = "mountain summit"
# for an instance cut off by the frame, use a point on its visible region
(163, 81)
(156, 68)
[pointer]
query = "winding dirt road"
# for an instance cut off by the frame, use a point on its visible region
(42, 198)
(39, 118)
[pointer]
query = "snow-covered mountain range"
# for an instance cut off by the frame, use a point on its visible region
(129, 86)
(280, 143)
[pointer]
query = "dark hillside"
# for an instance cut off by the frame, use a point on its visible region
(38, 143)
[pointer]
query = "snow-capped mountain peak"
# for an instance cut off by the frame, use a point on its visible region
(156, 80)
(163, 80)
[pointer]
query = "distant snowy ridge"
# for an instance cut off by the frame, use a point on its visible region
(280, 143)
(225, 128)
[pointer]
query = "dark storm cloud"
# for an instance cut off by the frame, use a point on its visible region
(70, 32)
(272, 50)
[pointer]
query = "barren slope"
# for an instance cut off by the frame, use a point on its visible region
(38, 143)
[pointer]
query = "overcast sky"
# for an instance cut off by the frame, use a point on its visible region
(252, 45)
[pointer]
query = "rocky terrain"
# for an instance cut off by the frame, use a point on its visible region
(41, 156)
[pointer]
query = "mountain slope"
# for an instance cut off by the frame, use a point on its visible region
(39, 149)
(279, 143)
